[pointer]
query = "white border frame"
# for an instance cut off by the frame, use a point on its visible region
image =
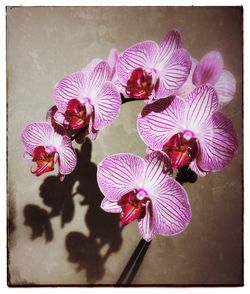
(3, 210)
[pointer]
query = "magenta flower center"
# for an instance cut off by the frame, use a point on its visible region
(140, 84)
(44, 157)
(76, 115)
(133, 206)
(182, 148)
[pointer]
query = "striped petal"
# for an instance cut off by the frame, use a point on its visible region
(112, 60)
(50, 114)
(159, 121)
(225, 87)
(70, 87)
(57, 120)
(119, 174)
(218, 143)
(141, 55)
(174, 73)
(201, 104)
(158, 168)
(171, 209)
(92, 133)
(170, 43)
(145, 224)
(110, 206)
(209, 69)
(107, 106)
(188, 86)
(194, 167)
(67, 157)
(91, 65)
(36, 134)
(96, 78)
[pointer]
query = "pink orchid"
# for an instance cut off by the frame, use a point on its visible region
(151, 71)
(143, 190)
(190, 131)
(210, 70)
(88, 98)
(45, 147)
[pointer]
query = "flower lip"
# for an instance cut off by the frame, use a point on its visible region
(45, 158)
(182, 148)
(141, 83)
(76, 114)
(133, 207)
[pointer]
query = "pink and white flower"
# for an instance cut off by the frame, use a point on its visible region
(45, 147)
(143, 190)
(210, 70)
(190, 131)
(151, 71)
(88, 98)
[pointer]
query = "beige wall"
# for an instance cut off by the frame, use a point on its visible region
(72, 241)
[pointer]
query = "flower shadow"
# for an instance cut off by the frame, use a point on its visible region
(58, 198)
(39, 221)
(102, 225)
(85, 251)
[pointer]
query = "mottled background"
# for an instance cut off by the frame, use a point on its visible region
(57, 232)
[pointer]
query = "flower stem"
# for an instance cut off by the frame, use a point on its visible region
(130, 270)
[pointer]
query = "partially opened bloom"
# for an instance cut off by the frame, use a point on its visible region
(88, 98)
(143, 190)
(45, 147)
(151, 71)
(190, 131)
(210, 70)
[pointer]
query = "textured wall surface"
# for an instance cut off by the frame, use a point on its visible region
(57, 232)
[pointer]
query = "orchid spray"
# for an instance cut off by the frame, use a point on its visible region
(182, 125)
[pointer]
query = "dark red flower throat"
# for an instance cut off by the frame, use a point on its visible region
(76, 115)
(140, 84)
(132, 207)
(44, 157)
(182, 148)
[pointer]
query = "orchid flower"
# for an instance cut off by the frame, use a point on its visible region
(190, 131)
(143, 190)
(151, 71)
(210, 70)
(88, 98)
(45, 147)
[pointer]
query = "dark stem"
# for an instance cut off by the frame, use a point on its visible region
(133, 264)
(134, 257)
